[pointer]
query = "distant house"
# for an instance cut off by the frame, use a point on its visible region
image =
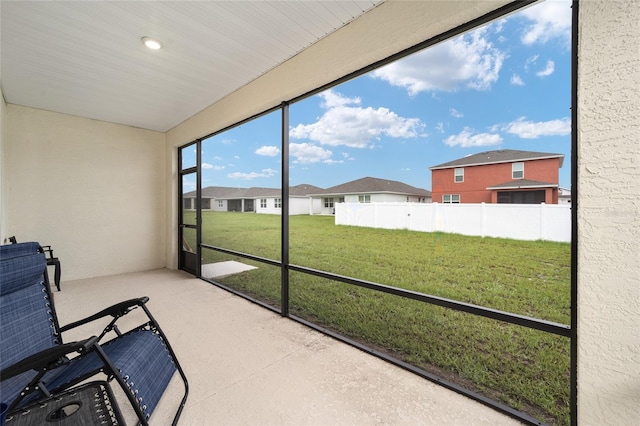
(564, 196)
(271, 202)
(366, 190)
(254, 199)
(221, 198)
(257, 195)
(304, 198)
(502, 176)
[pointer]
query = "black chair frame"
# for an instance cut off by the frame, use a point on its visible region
(58, 356)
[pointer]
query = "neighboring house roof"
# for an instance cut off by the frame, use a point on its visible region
(498, 156)
(523, 184)
(368, 185)
(303, 190)
(219, 192)
(255, 192)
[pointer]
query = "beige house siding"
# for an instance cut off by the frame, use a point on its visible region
(93, 190)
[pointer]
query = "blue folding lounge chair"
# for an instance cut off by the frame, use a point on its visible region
(35, 363)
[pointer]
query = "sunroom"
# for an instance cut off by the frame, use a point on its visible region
(100, 138)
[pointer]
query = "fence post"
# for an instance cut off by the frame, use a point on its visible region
(375, 215)
(542, 220)
(483, 220)
(433, 217)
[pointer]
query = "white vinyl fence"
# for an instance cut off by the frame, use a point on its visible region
(550, 222)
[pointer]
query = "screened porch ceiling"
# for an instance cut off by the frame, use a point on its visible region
(88, 59)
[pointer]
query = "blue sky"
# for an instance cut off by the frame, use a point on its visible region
(503, 86)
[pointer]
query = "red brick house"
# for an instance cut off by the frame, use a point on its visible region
(502, 176)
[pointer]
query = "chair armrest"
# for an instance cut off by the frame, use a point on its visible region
(117, 310)
(47, 358)
(48, 249)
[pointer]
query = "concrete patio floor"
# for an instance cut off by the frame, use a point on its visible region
(248, 366)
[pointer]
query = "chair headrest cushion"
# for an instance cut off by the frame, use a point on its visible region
(19, 272)
(8, 251)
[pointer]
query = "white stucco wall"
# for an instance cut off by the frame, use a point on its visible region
(271, 206)
(215, 205)
(315, 205)
(93, 190)
(299, 205)
(609, 213)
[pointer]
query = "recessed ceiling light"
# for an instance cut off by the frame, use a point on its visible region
(152, 43)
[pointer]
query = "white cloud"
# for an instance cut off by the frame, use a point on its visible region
(354, 126)
(548, 70)
(455, 113)
(530, 61)
(264, 173)
(499, 25)
(467, 138)
(440, 127)
(549, 20)
(306, 153)
(468, 61)
(268, 151)
(347, 156)
(533, 130)
(333, 99)
(516, 80)
(208, 166)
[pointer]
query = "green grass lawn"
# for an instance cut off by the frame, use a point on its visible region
(524, 368)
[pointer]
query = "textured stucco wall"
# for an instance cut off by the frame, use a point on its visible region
(93, 190)
(609, 212)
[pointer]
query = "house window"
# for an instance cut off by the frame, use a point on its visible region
(364, 198)
(521, 197)
(220, 203)
(341, 199)
(451, 198)
(328, 202)
(278, 203)
(263, 203)
(458, 175)
(517, 170)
